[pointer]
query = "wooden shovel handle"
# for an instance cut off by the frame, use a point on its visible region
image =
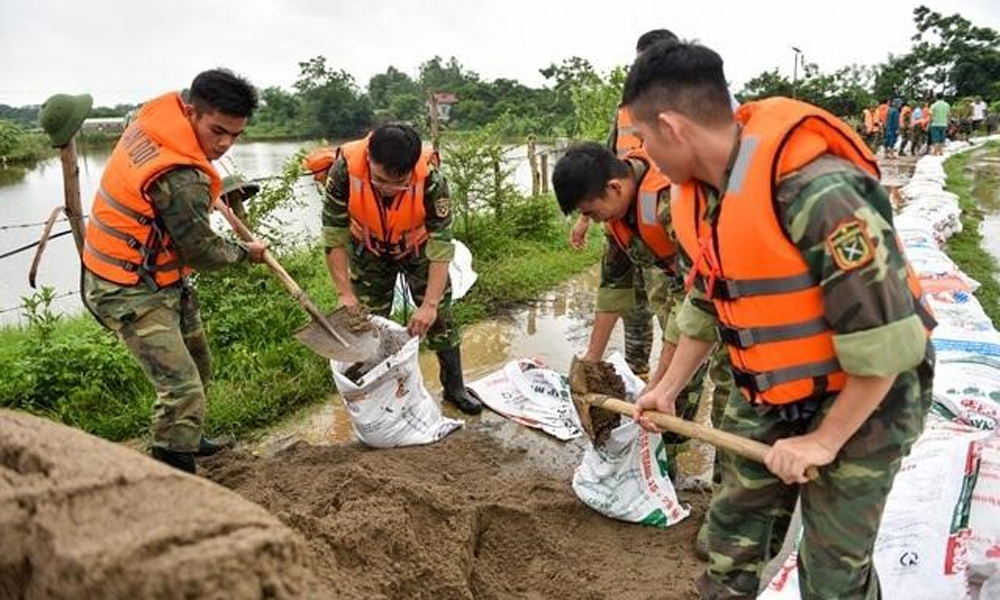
(286, 280)
(736, 444)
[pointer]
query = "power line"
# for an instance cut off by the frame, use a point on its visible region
(27, 225)
(56, 297)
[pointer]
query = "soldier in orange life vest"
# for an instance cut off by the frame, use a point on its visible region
(788, 243)
(638, 320)
(385, 212)
(148, 230)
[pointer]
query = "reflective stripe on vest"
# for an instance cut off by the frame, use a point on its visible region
(770, 308)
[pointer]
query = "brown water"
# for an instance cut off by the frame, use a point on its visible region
(985, 172)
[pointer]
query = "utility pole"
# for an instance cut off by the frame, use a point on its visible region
(795, 73)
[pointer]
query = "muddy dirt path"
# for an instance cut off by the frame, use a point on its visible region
(470, 517)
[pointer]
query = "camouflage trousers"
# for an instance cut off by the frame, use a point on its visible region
(167, 339)
(841, 510)
(639, 324)
(374, 277)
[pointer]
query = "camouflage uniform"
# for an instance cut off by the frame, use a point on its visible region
(162, 328)
(373, 276)
(870, 308)
(618, 294)
(638, 322)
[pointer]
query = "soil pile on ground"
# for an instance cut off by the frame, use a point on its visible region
(468, 517)
(84, 518)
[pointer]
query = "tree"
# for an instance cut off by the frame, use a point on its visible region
(958, 56)
(332, 105)
(595, 104)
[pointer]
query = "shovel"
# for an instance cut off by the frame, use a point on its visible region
(342, 336)
(596, 412)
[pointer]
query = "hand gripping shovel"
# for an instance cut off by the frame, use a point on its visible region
(594, 410)
(338, 336)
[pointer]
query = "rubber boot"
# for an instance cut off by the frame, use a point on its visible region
(211, 446)
(178, 460)
(450, 361)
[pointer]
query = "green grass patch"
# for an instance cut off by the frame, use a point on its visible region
(966, 248)
(71, 370)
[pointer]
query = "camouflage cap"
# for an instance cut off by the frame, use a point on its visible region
(62, 115)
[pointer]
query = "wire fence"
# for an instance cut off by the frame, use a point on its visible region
(21, 306)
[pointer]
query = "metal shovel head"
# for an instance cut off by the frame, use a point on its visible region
(596, 421)
(362, 342)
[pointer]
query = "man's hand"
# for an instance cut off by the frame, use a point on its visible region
(349, 300)
(789, 458)
(653, 398)
(256, 250)
(422, 319)
(578, 235)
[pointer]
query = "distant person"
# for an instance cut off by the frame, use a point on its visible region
(149, 229)
(918, 128)
(978, 115)
(386, 212)
(905, 114)
(869, 124)
(892, 129)
(940, 117)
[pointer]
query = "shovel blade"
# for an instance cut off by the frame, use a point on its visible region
(360, 346)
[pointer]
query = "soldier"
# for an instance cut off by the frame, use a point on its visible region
(638, 320)
(788, 240)
(148, 229)
(386, 211)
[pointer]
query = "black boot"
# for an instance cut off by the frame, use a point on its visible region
(210, 446)
(450, 361)
(178, 460)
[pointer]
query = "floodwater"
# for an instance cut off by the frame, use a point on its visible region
(985, 171)
(27, 196)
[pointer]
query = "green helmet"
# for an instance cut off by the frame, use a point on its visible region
(62, 115)
(236, 183)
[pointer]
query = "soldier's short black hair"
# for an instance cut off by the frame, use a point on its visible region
(583, 173)
(396, 147)
(654, 36)
(224, 91)
(682, 77)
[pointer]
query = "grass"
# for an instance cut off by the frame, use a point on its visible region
(966, 248)
(73, 371)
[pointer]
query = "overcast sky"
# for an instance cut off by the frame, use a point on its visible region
(130, 50)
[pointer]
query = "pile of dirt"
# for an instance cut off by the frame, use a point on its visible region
(353, 319)
(84, 518)
(467, 517)
(601, 378)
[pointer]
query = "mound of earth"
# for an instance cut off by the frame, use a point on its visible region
(84, 518)
(468, 517)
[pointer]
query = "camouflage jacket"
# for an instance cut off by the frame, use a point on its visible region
(181, 198)
(337, 220)
(869, 308)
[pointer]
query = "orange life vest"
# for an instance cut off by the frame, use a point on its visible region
(626, 138)
(904, 117)
(869, 117)
(318, 163)
(395, 228)
(124, 242)
(770, 309)
(883, 113)
(647, 203)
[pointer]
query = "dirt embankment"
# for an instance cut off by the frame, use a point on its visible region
(468, 517)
